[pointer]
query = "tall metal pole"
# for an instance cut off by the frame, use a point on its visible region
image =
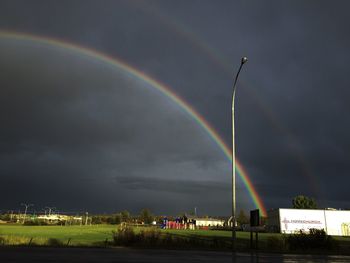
(234, 240)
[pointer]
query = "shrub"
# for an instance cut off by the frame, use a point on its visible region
(315, 239)
(168, 239)
(152, 237)
(124, 235)
(274, 243)
(54, 242)
(2, 241)
(215, 242)
(9, 240)
(149, 237)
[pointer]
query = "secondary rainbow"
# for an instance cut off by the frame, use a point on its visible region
(163, 88)
(218, 59)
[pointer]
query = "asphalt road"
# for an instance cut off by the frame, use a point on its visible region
(42, 254)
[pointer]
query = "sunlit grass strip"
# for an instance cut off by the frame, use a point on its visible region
(14, 240)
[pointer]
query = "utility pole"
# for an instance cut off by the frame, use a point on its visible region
(50, 209)
(25, 211)
(11, 215)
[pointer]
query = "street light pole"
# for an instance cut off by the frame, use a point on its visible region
(243, 60)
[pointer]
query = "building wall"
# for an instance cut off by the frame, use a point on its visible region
(289, 221)
(293, 220)
(200, 222)
(338, 223)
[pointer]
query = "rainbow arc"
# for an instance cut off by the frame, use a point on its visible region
(163, 88)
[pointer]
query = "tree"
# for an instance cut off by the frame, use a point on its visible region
(125, 216)
(304, 202)
(146, 216)
(5, 217)
(242, 218)
(118, 218)
(114, 219)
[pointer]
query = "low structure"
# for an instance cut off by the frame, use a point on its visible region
(208, 222)
(55, 218)
(191, 222)
(333, 222)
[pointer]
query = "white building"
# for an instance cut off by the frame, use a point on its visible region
(208, 222)
(58, 218)
(333, 222)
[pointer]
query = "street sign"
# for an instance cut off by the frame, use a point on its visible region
(254, 218)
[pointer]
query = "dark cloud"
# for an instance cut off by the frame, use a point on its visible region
(172, 185)
(72, 116)
(72, 128)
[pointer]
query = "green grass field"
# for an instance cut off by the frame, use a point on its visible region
(87, 235)
(78, 235)
(96, 235)
(92, 235)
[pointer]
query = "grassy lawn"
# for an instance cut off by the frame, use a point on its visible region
(96, 235)
(90, 235)
(220, 233)
(79, 235)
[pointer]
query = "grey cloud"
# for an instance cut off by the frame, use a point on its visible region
(291, 110)
(172, 185)
(72, 125)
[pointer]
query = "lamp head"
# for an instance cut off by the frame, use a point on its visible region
(244, 60)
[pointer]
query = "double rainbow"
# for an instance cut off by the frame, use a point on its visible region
(164, 89)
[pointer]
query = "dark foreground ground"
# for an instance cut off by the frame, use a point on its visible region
(42, 254)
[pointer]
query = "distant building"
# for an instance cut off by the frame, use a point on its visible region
(190, 222)
(54, 218)
(333, 222)
(207, 222)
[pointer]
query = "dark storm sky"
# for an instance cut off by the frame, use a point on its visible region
(81, 135)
